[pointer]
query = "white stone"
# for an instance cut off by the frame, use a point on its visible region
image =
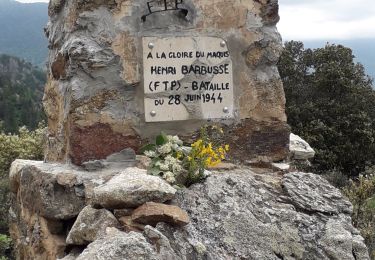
(160, 101)
(132, 188)
(299, 148)
(281, 166)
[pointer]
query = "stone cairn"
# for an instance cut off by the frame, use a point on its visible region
(122, 71)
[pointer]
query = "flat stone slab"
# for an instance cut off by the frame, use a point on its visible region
(132, 188)
(312, 192)
(152, 213)
(55, 190)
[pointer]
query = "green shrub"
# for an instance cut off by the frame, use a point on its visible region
(4, 191)
(337, 178)
(26, 145)
(361, 194)
(330, 103)
(5, 243)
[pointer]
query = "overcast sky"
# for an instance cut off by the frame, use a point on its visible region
(32, 1)
(327, 19)
(322, 19)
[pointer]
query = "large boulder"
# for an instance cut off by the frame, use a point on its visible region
(90, 224)
(132, 188)
(45, 199)
(53, 190)
(243, 215)
(117, 245)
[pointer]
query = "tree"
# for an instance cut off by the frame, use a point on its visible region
(331, 103)
(21, 92)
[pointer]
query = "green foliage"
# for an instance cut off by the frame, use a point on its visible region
(4, 204)
(161, 139)
(206, 152)
(337, 178)
(166, 157)
(184, 165)
(331, 104)
(5, 243)
(361, 194)
(25, 145)
(21, 92)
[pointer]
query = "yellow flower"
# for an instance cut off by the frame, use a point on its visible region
(226, 147)
(208, 161)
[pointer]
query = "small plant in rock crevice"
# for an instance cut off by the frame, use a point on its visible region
(185, 165)
(205, 152)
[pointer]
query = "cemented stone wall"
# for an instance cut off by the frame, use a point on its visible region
(94, 97)
(60, 211)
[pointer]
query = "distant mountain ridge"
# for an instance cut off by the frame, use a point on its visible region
(21, 30)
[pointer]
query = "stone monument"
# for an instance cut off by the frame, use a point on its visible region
(121, 72)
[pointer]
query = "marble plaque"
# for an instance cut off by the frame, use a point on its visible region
(187, 78)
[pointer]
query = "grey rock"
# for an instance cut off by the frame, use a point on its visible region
(123, 159)
(165, 250)
(337, 242)
(243, 215)
(90, 224)
(56, 191)
(73, 254)
(299, 149)
(360, 250)
(124, 155)
(122, 212)
(132, 188)
(313, 193)
(47, 190)
(234, 214)
(119, 246)
(93, 165)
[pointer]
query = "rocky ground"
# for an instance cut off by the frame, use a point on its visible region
(238, 212)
